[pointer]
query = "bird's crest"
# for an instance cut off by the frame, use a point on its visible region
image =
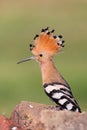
(47, 43)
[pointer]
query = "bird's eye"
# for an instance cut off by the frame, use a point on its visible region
(41, 55)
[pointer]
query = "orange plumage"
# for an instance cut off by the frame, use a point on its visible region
(46, 43)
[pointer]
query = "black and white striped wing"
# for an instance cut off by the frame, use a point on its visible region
(62, 96)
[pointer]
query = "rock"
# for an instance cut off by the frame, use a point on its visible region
(7, 124)
(27, 114)
(35, 116)
(63, 120)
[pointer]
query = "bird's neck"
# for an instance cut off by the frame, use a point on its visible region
(50, 73)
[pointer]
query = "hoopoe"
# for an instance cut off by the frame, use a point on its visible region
(45, 46)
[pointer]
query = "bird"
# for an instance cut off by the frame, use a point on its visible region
(46, 45)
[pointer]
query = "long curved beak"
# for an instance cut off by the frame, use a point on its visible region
(26, 59)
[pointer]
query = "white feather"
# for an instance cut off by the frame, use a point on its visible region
(62, 101)
(69, 106)
(57, 95)
(50, 88)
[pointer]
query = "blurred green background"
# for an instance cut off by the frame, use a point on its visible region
(20, 20)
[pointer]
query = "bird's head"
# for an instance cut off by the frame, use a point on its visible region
(45, 46)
